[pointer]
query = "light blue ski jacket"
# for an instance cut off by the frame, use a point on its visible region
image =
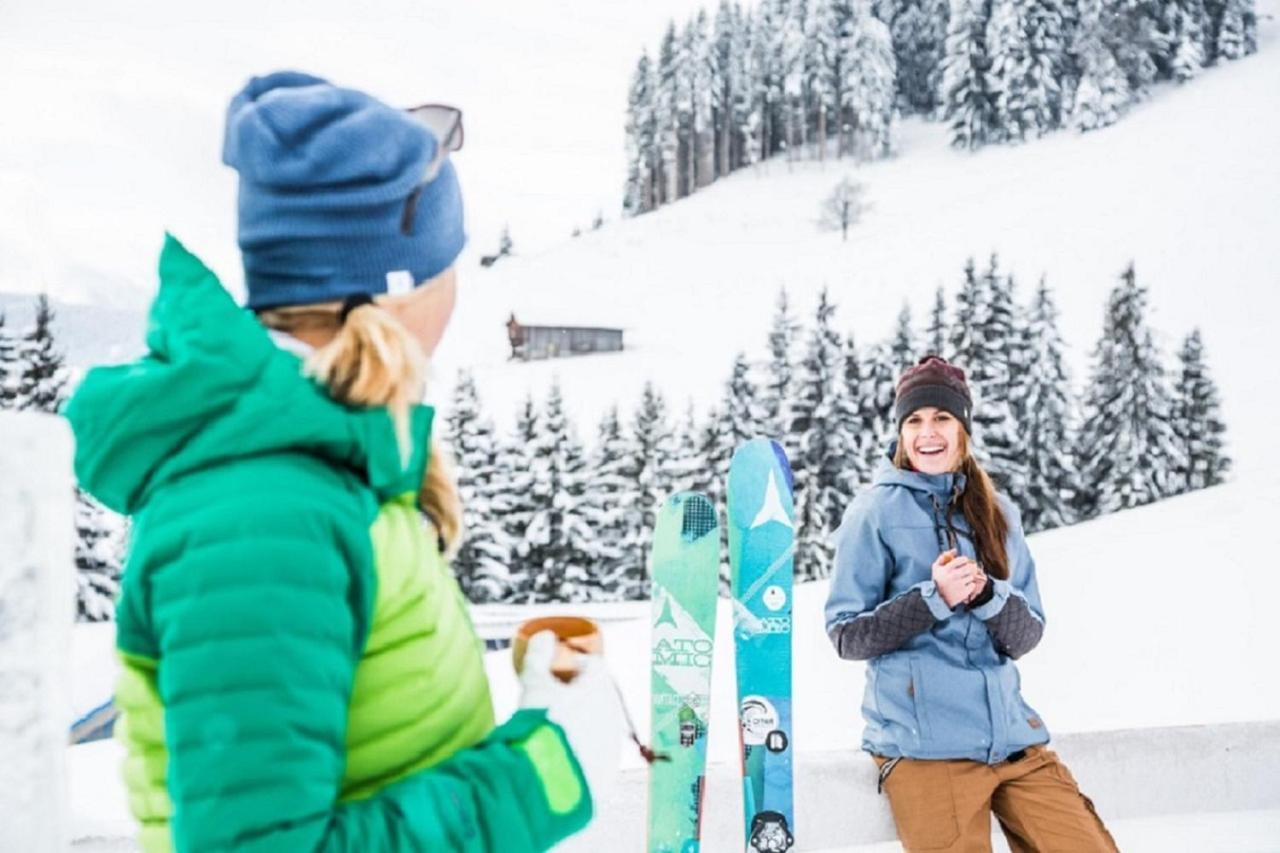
(940, 683)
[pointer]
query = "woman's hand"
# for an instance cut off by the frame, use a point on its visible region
(979, 584)
(956, 578)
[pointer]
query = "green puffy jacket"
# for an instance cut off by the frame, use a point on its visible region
(300, 672)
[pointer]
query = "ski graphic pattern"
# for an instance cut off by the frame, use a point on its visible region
(685, 574)
(761, 554)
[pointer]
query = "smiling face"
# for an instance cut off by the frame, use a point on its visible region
(933, 440)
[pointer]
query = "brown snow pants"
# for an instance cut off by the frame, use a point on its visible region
(947, 805)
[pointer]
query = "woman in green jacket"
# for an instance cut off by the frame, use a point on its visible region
(299, 669)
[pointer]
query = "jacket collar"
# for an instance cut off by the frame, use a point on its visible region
(940, 485)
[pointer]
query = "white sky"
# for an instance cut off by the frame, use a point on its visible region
(113, 116)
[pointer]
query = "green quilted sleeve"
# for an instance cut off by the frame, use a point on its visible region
(258, 640)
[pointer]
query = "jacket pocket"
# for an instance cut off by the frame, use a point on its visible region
(918, 692)
(895, 702)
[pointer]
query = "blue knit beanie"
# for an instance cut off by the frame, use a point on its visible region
(332, 194)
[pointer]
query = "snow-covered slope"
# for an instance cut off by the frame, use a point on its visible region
(1186, 186)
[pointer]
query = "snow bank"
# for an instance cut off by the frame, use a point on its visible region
(36, 613)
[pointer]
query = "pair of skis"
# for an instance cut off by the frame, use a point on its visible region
(685, 574)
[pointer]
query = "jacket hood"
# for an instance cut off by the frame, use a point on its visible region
(213, 387)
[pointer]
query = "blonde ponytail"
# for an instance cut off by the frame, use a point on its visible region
(372, 360)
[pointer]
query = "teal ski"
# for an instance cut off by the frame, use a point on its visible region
(761, 553)
(685, 567)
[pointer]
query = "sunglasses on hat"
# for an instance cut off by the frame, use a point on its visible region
(445, 124)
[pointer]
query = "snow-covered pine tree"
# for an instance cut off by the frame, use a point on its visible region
(99, 556)
(995, 429)
(812, 84)
(1197, 420)
(856, 416)
(879, 386)
(969, 99)
(667, 111)
(825, 445)
(1047, 416)
(1102, 93)
(484, 555)
(724, 84)
(1128, 454)
(8, 367)
(687, 468)
(642, 129)
(562, 553)
(936, 334)
(972, 305)
(693, 94)
(832, 28)
(903, 348)
(41, 376)
(1238, 31)
(1027, 56)
(766, 88)
(871, 88)
(919, 33)
(515, 468)
(650, 470)
(1133, 26)
(735, 421)
(742, 420)
(793, 52)
(776, 390)
(610, 491)
(1185, 38)
(1050, 75)
(1006, 40)
(748, 114)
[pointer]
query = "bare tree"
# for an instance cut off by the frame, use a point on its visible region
(844, 206)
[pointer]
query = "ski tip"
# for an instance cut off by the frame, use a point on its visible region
(759, 471)
(761, 447)
(699, 517)
(781, 456)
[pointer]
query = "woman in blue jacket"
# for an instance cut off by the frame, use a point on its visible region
(934, 586)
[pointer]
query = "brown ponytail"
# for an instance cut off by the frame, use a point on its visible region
(980, 507)
(372, 360)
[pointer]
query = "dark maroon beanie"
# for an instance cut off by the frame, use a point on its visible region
(934, 382)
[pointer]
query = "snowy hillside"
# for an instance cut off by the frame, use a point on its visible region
(1186, 187)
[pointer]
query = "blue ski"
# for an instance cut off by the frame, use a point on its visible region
(761, 552)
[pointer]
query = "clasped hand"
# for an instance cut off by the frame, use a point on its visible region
(958, 578)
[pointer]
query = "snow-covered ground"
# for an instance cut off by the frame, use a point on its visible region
(1159, 616)
(1212, 832)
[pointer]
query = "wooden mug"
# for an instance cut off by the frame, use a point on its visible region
(576, 636)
